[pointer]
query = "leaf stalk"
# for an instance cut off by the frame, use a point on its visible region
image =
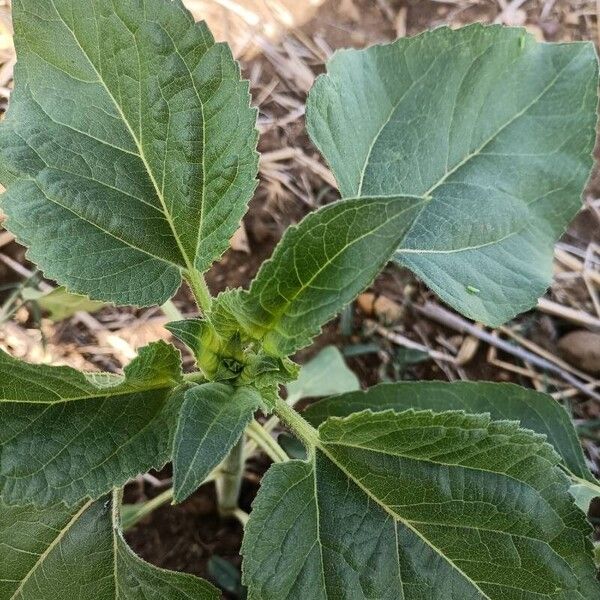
(258, 434)
(199, 289)
(302, 428)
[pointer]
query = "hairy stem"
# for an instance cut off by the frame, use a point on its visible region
(302, 428)
(199, 289)
(257, 433)
(229, 481)
(194, 377)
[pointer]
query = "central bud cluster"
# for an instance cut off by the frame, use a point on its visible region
(227, 355)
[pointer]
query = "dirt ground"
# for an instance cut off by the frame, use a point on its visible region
(282, 50)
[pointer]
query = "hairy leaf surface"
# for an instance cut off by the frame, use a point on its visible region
(534, 410)
(66, 435)
(494, 129)
(80, 554)
(212, 419)
(129, 145)
(419, 506)
(319, 266)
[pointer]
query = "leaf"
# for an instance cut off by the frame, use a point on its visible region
(419, 506)
(226, 575)
(80, 554)
(534, 410)
(209, 350)
(319, 266)
(61, 304)
(323, 375)
(211, 421)
(66, 435)
(494, 129)
(583, 494)
(190, 332)
(130, 145)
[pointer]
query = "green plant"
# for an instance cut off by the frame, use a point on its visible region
(129, 156)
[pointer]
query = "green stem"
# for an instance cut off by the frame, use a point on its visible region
(171, 311)
(199, 289)
(194, 377)
(302, 428)
(263, 438)
(133, 513)
(229, 481)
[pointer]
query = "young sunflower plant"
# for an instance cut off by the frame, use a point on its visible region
(129, 157)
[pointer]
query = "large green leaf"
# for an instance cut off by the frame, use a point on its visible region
(212, 419)
(318, 267)
(66, 435)
(80, 554)
(419, 506)
(494, 129)
(130, 145)
(534, 410)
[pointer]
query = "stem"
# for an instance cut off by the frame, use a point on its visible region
(134, 514)
(257, 433)
(194, 377)
(242, 516)
(229, 481)
(199, 289)
(171, 311)
(300, 426)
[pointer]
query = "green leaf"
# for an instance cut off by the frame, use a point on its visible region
(584, 493)
(66, 435)
(534, 410)
(225, 575)
(212, 353)
(211, 421)
(190, 332)
(419, 506)
(130, 144)
(323, 375)
(80, 554)
(319, 266)
(61, 304)
(494, 129)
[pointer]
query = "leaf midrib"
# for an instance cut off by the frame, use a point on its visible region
(396, 518)
(277, 316)
(50, 548)
(200, 442)
(189, 264)
(100, 395)
(464, 161)
(203, 159)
